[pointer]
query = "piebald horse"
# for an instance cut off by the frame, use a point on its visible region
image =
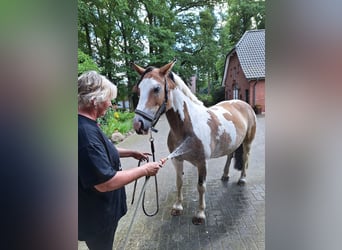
(225, 129)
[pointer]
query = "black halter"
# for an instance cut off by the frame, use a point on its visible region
(154, 119)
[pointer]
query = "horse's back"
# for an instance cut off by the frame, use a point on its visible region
(239, 105)
(237, 108)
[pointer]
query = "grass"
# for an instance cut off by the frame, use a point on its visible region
(116, 121)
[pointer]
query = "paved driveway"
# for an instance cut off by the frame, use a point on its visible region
(235, 214)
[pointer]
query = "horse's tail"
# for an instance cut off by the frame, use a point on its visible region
(238, 155)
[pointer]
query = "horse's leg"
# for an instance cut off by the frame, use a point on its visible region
(199, 218)
(177, 207)
(245, 157)
(225, 176)
(245, 149)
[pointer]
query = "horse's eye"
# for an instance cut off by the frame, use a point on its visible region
(156, 90)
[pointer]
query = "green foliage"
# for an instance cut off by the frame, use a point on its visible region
(118, 32)
(244, 15)
(216, 96)
(85, 63)
(116, 121)
(206, 99)
(217, 93)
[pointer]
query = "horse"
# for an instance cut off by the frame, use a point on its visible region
(225, 129)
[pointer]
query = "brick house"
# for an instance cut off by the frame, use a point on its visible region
(244, 71)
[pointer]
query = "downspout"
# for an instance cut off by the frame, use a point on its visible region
(256, 81)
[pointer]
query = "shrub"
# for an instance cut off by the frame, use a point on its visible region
(206, 99)
(116, 121)
(257, 109)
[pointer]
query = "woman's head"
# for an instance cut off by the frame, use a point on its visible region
(94, 89)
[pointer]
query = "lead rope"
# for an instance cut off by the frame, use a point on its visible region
(142, 194)
(134, 214)
(155, 183)
(147, 177)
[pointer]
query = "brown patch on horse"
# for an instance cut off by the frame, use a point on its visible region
(251, 134)
(241, 111)
(236, 117)
(159, 76)
(175, 139)
(214, 124)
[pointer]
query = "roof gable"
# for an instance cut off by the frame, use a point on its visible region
(251, 53)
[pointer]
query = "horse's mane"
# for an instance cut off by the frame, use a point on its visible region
(185, 89)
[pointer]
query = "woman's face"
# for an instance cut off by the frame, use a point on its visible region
(103, 107)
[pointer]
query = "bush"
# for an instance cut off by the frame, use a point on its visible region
(257, 109)
(206, 99)
(116, 121)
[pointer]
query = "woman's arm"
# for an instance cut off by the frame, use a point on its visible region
(132, 153)
(125, 152)
(122, 178)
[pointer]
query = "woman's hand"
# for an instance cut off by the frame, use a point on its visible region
(151, 168)
(139, 155)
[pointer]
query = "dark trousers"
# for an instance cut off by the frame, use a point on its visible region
(103, 240)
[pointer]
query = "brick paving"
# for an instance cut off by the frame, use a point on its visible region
(235, 214)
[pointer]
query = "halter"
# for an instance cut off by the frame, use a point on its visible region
(154, 119)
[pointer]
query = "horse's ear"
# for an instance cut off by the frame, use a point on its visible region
(167, 68)
(138, 69)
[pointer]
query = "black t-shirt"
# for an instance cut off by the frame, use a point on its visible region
(98, 161)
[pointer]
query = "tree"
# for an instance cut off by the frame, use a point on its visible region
(115, 33)
(85, 63)
(244, 15)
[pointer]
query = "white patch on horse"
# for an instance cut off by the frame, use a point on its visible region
(226, 126)
(199, 120)
(198, 117)
(145, 86)
(178, 103)
(185, 89)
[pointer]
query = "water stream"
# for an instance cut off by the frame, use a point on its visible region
(183, 148)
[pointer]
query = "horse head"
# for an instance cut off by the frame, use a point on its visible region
(153, 90)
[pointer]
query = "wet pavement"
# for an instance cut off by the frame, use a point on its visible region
(235, 214)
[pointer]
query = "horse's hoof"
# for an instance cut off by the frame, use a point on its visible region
(176, 212)
(198, 221)
(242, 182)
(224, 178)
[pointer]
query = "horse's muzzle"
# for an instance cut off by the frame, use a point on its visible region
(138, 126)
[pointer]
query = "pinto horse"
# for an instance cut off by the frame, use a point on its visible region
(225, 129)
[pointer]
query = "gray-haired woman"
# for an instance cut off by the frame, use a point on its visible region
(101, 181)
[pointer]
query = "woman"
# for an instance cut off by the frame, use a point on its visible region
(101, 181)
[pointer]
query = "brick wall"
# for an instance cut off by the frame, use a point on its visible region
(235, 76)
(260, 94)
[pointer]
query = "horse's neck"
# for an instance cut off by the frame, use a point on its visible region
(182, 108)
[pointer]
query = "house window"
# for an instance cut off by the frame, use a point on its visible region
(235, 91)
(247, 95)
